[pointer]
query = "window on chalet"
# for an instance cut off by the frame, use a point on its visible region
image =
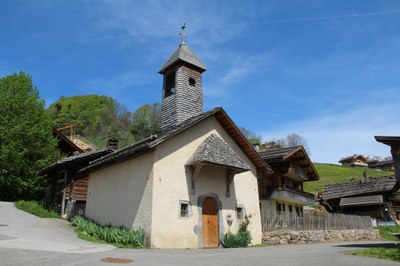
(278, 207)
(290, 208)
(299, 211)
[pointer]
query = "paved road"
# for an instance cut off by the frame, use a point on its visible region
(27, 240)
(22, 230)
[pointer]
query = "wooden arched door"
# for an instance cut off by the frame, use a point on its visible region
(210, 223)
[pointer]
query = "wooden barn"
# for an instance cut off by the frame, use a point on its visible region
(375, 197)
(65, 192)
(385, 165)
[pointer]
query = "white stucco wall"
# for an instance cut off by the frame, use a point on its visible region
(269, 206)
(137, 192)
(172, 183)
(122, 194)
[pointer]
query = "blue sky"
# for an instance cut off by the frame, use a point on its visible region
(326, 70)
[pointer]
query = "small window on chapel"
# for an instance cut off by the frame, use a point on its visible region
(192, 82)
(239, 213)
(184, 209)
(169, 86)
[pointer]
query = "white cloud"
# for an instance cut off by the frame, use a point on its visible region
(232, 68)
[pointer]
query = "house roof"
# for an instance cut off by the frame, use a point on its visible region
(79, 158)
(352, 157)
(65, 143)
(382, 163)
(388, 140)
(151, 142)
(297, 153)
(183, 54)
(353, 188)
(214, 150)
(361, 201)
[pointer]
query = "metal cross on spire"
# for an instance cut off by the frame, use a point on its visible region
(183, 33)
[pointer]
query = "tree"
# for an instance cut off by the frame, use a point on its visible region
(94, 117)
(145, 121)
(90, 115)
(292, 140)
(26, 141)
(250, 136)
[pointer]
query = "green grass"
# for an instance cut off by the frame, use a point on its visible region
(381, 253)
(35, 208)
(385, 232)
(331, 174)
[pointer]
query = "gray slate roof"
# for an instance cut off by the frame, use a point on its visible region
(151, 142)
(354, 188)
(361, 201)
(388, 140)
(185, 54)
(382, 163)
(145, 145)
(79, 158)
(214, 150)
(351, 157)
(278, 154)
(295, 154)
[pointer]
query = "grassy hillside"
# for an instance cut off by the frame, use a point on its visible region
(330, 174)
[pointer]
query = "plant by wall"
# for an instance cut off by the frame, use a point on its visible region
(241, 239)
(109, 234)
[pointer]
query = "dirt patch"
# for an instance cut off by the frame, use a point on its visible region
(3, 224)
(117, 260)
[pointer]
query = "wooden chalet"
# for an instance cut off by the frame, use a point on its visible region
(385, 165)
(284, 187)
(375, 197)
(66, 192)
(356, 160)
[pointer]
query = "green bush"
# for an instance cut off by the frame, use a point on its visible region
(239, 240)
(109, 234)
(35, 208)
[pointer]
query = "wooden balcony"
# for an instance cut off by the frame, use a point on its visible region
(288, 194)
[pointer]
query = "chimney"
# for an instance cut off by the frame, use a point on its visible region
(112, 144)
(256, 146)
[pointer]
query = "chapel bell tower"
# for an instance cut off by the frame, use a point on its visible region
(182, 96)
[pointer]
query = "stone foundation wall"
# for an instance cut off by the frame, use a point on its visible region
(318, 236)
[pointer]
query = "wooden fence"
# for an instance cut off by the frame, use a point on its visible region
(314, 221)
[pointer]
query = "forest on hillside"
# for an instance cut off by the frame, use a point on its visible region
(96, 118)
